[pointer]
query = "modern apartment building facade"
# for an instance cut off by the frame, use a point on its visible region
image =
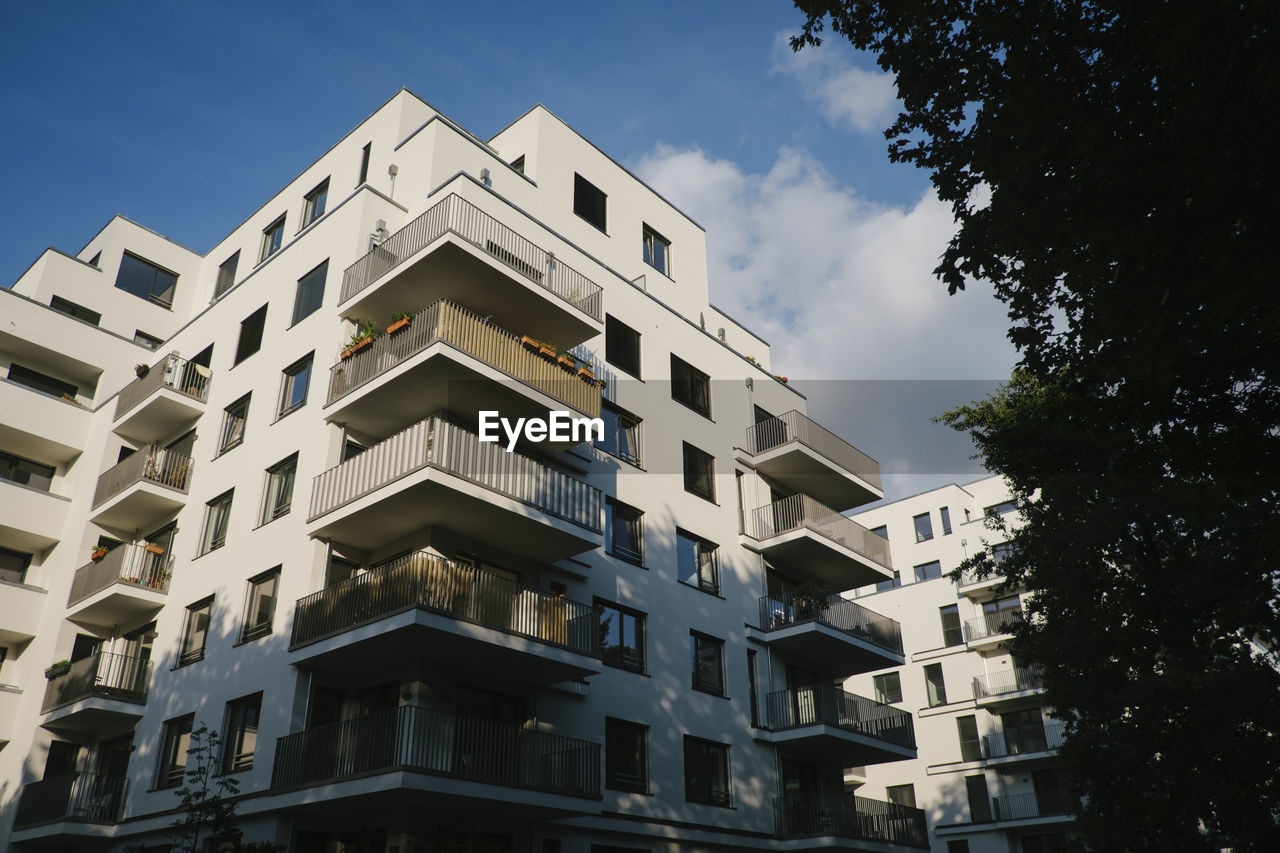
(245, 489)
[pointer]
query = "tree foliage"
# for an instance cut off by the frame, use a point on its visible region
(207, 820)
(1110, 168)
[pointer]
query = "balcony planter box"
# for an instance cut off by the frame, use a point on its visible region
(345, 354)
(152, 549)
(567, 362)
(97, 554)
(58, 670)
(397, 326)
(530, 343)
(586, 374)
(600, 383)
(547, 351)
(361, 344)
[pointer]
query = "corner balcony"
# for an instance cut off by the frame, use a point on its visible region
(77, 798)
(21, 611)
(171, 396)
(40, 425)
(1009, 687)
(1031, 809)
(1025, 744)
(33, 518)
(844, 634)
(436, 473)
(803, 456)
(823, 724)
(836, 820)
(457, 251)
(991, 630)
(819, 543)
(979, 589)
(423, 604)
(104, 688)
(129, 583)
(143, 489)
(425, 757)
(450, 359)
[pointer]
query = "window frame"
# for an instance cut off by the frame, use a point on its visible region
(169, 773)
(691, 477)
(41, 383)
(288, 379)
(314, 202)
(619, 422)
(956, 631)
(254, 325)
(618, 345)
(690, 379)
(635, 556)
(226, 275)
(924, 532)
(152, 296)
(922, 571)
(285, 471)
(249, 629)
(709, 750)
(711, 586)
(697, 642)
(22, 556)
(75, 310)
(884, 696)
(307, 286)
(890, 790)
(584, 200)
(611, 770)
(188, 652)
(650, 238)
(151, 342)
(945, 514)
(272, 238)
(11, 468)
(217, 514)
(232, 757)
(934, 691)
(225, 442)
(638, 661)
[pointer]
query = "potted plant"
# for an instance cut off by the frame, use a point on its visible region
(152, 548)
(780, 378)
(586, 374)
(547, 351)
(57, 670)
(808, 600)
(600, 383)
(531, 344)
(399, 321)
(97, 553)
(363, 337)
(568, 362)
(70, 399)
(141, 369)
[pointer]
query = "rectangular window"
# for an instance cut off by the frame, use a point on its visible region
(293, 387)
(621, 636)
(71, 309)
(999, 509)
(310, 294)
(928, 571)
(241, 739)
(706, 656)
(626, 531)
(278, 495)
(226, 275)
(882, 531)
(173, 751)
(518, 164)
(272, 239)
(924, 527)
(979, 799)
(250, 340)
(233, 422)
(888, 687)
(690, 386)
(13, 565)
(37, 381)
(146, 280)
(217, 513)
(24, 472)
(751, 685)
(260, 606)
(195, 631)
(313, 203)
(970, 744)
(945, 512)
(952, 635)
(902, 795)
(589, 202)
(959, 845)
(706, 772)
(1001, 552)
(697, 562)
(935, 688)
(699, 472)
(364, 163)
(151, 342)
(656, 251)
(621, 345)
(621, 433)
(890, 584)
(626, 756)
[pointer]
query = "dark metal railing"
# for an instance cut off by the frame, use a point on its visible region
(455, 214)
(793, 426)
(1023, 741)
(461, 591)
(1010, 681)
(172, 372)
(1022, 806)
(103, 674)
(130, 565)
(845, 815)
(151, 463)
(83, 797)
(797, 511)
(820, 704)
(783, 609)
(416, 738)
(992, 624)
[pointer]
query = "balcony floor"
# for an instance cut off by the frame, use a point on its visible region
(91, 714)
(118, 604)
(137, 506)
(164, 413)
(827, 744)
(802, 469)
(831, 565)
(844, 653)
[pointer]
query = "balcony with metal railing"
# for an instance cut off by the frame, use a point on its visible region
(81, 797)
(103, 688)
(424, 605)
(457, 251)
(142, 489)
(823, 724)
(1040, 807)
(128, 583)
(818, 543)
(991, 629)
(834, 815)
(171, 395)
(437, 473)
(450, 359)
(803, 456)
(1011, 685)
(848, 637)
(1024, 743)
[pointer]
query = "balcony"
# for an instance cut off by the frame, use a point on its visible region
(991, 629)
(844, 634)
(449, 359)
(819, 543)
(168, 398)
(804, 457)
(144, 488)
(102, 688)
(33, 517)
(423, 752)
(1023, 744)
(457, 251)
(21, 611)
(130, 582)
(1010, 686)
(39, 425)
(422, 604)
(835, 815)
(436, 473)
(824, 724)
(1050, 805)
(76, 797)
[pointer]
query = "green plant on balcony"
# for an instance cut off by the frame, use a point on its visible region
(57, 670)
(363, 336)
(399, 320)
(141, 370)
(97, 554)
(808, 600)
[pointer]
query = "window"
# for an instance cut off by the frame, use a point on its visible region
(24, 472)
(945, 512)
(890, 584)
(902, 795)
(241, 739)
(260, 606)
(272, 239)
(364, 162)
(751, 685)
(151, 342)
(226, 275)
(1001, 552)
(960, 845)
(146, 280)
(195, 631)
(951, 633)
(97, 256)
(173, 751)
(589, 202)
(313, 203)
(37, 381)
(888, 687)
(279, 492)
(233, 421)
(621, 345)
(13, 565)
(699, 472)
(216, 514)
(518, 164)
(979, 799)
(250, 341)
(928, 571)
(310, 293)
(882, 531)
(697, 562)
(690, 386)
(924, 527)
(657, 251)
(621, 636)
(999, 509)
(626, 756)
(935, 688)
(967, 731)
(706, 772)
(706, 656)
(626, 531)
(71, 309)
(621, 433)
(293, 389)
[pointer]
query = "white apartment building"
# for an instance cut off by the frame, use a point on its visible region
(245, 489)
(986, 773)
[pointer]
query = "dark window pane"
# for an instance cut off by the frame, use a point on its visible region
(699, 472)
(71, 309)
(146, 280)
(16, 469)
(226, 275)
(928, 571)
(310, 292)
(622, 345)
(626, 756)
(589, 202)
(251, 329)
(690, 386)
(38, 381)
(13, 565)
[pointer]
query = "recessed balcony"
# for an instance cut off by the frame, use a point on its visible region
(823, 724)
(129, 582)
(837, 820)
(1023, 744)
(33, 518)
(1008, 687)
(843, 634)
(10, 699)
(39, 425)
(803, 456)
(991, 629)
(103, 688)
(457, 251)
(1030, 809)
(436, 473)
(979, 589)
(170, 396)
(81, 797)
(450, 359)
(819, 543)
(144, 488)
(423, 604)
(21, 611)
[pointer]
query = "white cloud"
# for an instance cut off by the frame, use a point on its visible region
(864, 101)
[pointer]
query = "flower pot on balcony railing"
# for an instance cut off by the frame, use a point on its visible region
(399, 321)
(141, 370)
(586, 374)
(97, 554)
(547, 351)
(153, 549)
(57, 670)
(568, 362)
(531, 344)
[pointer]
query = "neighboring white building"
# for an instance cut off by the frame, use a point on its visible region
(986, 774)
(220, 505)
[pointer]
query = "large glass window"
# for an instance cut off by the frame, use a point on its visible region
(626, 756)
(241, 739)
(699, 472)
(945, 512)
(173, 751)
(951, 633)
(272, 239)
(260, 606)
(37, 381)
(217, 513)
(924, 527)
(967, 732)
(16, 469)
(195, 631)
(626, 531)
(621, 433)
(656, 250)
(251, 329)
(226, 275)
(621, 636)
(706, 656)
(928, 571)
(888, 687)
(293, 387)
(935, 687)
(233, 424)
(146, 280)
(999, 509)
(71, 309)
(706, 772)
(902, 795)
(13, 565)
(621, 345)
(310, 292)
(313, 204)
(278, 495)
(589, 202)
(690, 386)
(697, 562)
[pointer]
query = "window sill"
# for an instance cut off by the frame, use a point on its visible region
(662, 273)
(637, 791)
(711, 500)
(289, 411)
(634, 463)
(719, 694)
(627, 558)
(728, 806)
(185, 663)
(592, 224)
(706, 414)
(713, 592)
(249, 638)
(629, 669)
(265, 522)
(635, 376)
(225, 450)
